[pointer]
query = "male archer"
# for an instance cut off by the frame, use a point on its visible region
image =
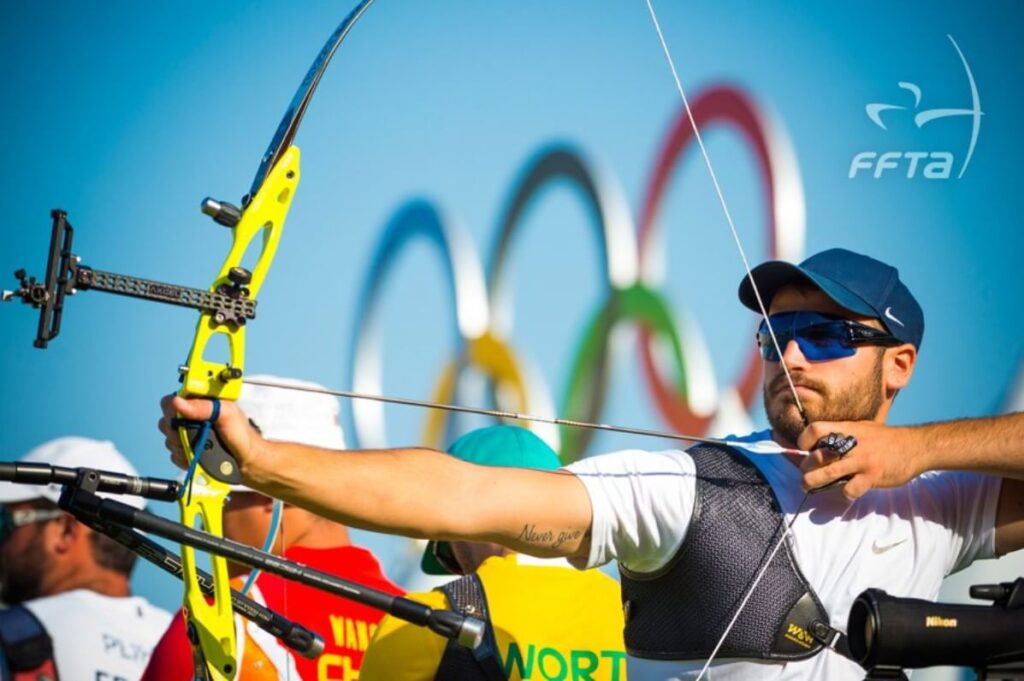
(692, 530)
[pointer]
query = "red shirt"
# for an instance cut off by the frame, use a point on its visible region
(345, 626)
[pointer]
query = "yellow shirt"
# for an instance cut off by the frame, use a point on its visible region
(550, 622)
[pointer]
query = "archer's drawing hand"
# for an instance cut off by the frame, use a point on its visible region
(883, 457)
(233, 427)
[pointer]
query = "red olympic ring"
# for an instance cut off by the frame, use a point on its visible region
(729, 105)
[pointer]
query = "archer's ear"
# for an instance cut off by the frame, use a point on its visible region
(66, 533)
(899, 366)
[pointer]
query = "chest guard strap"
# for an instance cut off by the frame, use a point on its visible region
(680, 612)
(466, 595)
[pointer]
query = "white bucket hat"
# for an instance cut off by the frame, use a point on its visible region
(286, 415)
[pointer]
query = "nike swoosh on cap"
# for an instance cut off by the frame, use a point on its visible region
(888, 314)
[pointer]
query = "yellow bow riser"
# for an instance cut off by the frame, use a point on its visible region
(211, 625)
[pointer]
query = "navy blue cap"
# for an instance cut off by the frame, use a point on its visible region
(856, 282)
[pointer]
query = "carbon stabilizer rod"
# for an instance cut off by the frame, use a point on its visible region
(107, 481)
(304, 641)
(292, 634)
(467, 631)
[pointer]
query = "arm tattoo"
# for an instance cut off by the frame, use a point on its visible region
(550, 539)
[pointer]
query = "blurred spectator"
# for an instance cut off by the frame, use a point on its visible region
(71, 610)
(544, 618)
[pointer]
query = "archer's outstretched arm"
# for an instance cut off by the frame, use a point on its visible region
(887, 456)
(415, 492)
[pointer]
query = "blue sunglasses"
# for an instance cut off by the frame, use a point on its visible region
(820, 337)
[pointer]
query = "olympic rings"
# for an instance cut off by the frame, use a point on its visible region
(484, 313)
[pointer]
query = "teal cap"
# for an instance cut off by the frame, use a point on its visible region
(494, 446)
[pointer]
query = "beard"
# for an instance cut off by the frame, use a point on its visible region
(21, 574)
(860, 401)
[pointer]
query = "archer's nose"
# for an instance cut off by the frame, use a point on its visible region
(792, 355)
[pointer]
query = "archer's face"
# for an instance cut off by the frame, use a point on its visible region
(845, 389)
(247, 520)
(24, 560)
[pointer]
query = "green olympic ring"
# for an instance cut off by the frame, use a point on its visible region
(588, 379)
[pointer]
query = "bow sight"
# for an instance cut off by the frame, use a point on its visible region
(66, 275)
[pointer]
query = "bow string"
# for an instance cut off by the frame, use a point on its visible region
(783, 525)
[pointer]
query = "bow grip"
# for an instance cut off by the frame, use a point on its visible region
(216, 459)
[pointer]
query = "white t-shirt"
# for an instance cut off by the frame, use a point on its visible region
(903, 540)
(100, 638)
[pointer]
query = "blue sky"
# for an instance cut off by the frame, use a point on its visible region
(127, 114)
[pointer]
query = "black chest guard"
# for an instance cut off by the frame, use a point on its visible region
(680, 612)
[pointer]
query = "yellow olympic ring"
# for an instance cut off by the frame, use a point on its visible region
(498, 363)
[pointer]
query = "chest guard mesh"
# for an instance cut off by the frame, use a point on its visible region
(680, 612)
